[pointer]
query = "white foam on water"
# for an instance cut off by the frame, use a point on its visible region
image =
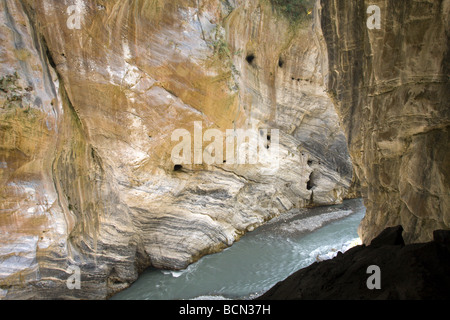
(178, 273)
(330, 251)
(259, 260)
(210, 298)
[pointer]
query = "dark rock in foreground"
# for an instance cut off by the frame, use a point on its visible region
(416, 271)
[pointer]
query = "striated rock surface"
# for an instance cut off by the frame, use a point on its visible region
(406, 272)
(91, 93)
(391, 88)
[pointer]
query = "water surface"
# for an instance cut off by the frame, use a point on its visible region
(259, 259)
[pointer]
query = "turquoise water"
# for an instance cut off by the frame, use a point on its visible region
(259, 259)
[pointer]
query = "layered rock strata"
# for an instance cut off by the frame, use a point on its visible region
(91, 93)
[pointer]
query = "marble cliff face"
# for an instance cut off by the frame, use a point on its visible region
(91, 94)
(92, 91)
(391, 89)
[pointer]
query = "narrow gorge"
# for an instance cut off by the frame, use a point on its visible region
(96, 98)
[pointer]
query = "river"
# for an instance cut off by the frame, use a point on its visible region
(259, 259)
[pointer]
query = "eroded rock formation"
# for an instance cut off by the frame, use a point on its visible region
(391, 88)
(91, 93)
(92, 90)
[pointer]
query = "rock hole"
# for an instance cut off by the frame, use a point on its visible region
(309, 184)
(250, 58)
(177, 167)
(50, 58)
(280, 62)
(268, 141)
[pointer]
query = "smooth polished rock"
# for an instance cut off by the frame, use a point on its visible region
(87, 124)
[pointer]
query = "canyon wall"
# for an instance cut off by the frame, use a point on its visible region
(390, 84)
(92, 92)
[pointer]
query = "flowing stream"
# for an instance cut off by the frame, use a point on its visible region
(259, 259)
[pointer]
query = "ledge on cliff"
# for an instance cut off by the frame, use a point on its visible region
(415, 271)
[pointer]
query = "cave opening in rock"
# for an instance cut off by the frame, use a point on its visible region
(310, 183)
(250, 58)
(280, 62)
(177, 167)
(268, 141)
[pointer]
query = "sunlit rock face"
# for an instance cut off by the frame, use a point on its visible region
(91, 94)
(391, 88)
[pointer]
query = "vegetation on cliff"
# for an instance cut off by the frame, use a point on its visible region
(294, 10)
